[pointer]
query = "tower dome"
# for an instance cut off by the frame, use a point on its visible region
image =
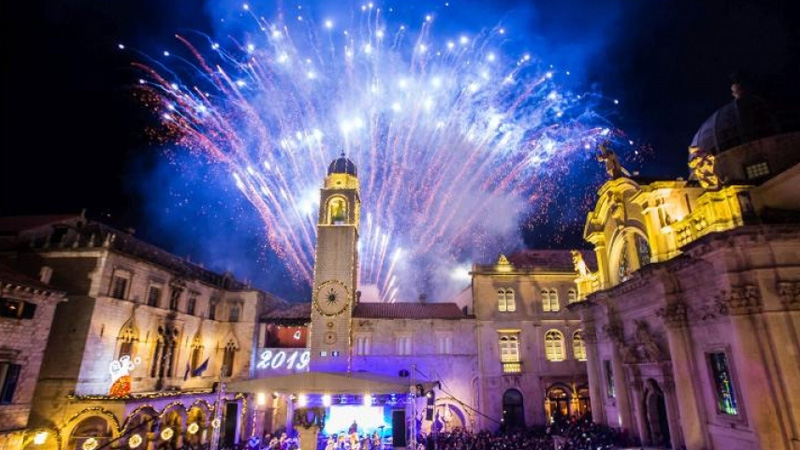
(342, 165)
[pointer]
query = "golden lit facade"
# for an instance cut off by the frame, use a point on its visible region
(691, 319)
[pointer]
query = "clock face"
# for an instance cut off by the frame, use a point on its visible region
(331, 297)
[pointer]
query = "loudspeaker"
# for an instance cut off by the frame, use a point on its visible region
(398, 428)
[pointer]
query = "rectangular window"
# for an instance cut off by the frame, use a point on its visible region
(9, 375)
(362, 345)
(404, 345)
(174, 298)
(16, 309)
(611, 389)
(191, 303)
(119, 286)
(757, 170)
(723, 384)
(233, 315)
(212, 311)
(444, 344)
(154, 296)
(509, 348)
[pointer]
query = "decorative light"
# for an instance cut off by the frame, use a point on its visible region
(40, 437)
(90, 444)
(193, 428)
(302, 400)
(261, 399)
(367, 400)
(215, 423)
(326, 400)
(167, 433)
(135, 441)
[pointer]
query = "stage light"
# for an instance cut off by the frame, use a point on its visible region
(367, 400)
(326, 400)
(262, 398)
(302, 400)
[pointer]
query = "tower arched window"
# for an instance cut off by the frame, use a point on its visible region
(163, 364)
(506, 301)
(337, 210)
(579, 346)
(197, 352)
(233, 315)
(554, 345)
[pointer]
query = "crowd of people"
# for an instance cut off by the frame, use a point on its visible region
(563, 434)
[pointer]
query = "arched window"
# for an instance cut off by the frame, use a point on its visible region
(128, 336)
(337, 211)
(197, 352)
(164, 353)
(579, 346)
(642, 250)
(91, 432)
(572, 296)
(513, 410)
(506, 301)
(509, 348)
(228, 359)
(550, 300)
(554, 345)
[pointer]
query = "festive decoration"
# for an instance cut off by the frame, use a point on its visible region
(193, 428)
(167, 433)
(215, 423)
(90, 444)
(297, 360)
(40, 437)
(135, 441)
(120, 376)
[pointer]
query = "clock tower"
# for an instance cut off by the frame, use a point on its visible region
(335, 268)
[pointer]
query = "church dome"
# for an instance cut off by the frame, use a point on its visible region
(746, 119)
(343, 165)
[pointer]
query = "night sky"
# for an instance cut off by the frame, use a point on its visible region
(67, 97)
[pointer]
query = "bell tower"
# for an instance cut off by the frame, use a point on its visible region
(335, 268)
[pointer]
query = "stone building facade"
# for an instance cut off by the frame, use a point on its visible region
(27, 306)
(139, 348)
(691, 320)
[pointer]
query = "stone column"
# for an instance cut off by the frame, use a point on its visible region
(637, 411)
(593, 368)
(615, 334)
(753, 368)
(691, 413)
(673, 418)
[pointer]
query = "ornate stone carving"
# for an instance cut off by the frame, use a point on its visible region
(590, 335)
(614, 168)
(648, 347)
(789, 292)
(743, 300)
(614, 333)
(674, 314)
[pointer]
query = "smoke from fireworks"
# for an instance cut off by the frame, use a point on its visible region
(452, 134)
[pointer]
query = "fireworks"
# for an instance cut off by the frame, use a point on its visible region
(451, 133)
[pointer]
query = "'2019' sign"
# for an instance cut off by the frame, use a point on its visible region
(281, 359)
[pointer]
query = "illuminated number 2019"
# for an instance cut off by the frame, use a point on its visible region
(296, 360)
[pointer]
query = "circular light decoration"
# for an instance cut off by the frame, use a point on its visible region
(167, 433)
(193, 428)
(90, 444)
(40, 437)
(215, 423)
(135, 441)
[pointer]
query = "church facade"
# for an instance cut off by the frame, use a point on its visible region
(691, 319)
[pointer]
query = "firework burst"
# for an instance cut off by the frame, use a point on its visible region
(451, 134)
